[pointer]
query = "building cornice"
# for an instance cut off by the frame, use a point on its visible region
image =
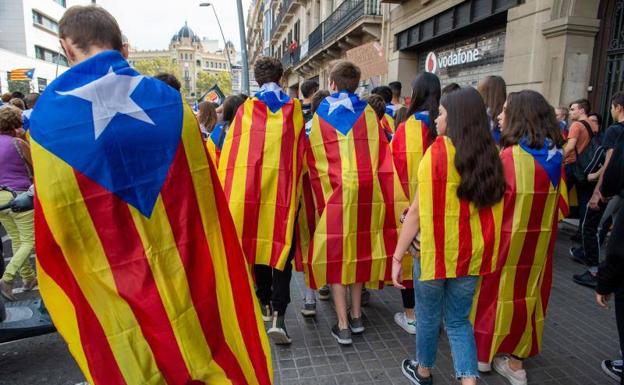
(571, 25)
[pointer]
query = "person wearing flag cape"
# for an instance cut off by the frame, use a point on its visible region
(356, 195)
(260, 168)
(411, 140)
(510, 304)
(456, 216)
(137, 255)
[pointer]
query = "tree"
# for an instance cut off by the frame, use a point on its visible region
(206, 80)
(154, 66)
(22, 86)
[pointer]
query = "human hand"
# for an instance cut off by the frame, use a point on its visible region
(397, 273)
(603, 300)
(595, 199)
(593, 177)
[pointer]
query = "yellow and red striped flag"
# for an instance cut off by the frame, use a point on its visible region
(387, 124)
(510, 304)
(356, 194)
(260, 168)
(138, 260)
(21, 74)
(456, 238)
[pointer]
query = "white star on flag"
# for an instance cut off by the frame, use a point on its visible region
(274, 88)
(342, 100)
(110, 95)
(552, 152)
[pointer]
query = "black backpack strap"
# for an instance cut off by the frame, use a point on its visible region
(588, 128)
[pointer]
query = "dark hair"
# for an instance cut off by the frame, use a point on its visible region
(309, 87)
(90, 25)
(378, 104)
(17, 95)
(230, 107)
(268, 70)
(31, 99)
(169, 79)
(207, 115)
(243, 96)
(584, 104)
(345, 75)
(598, 118)
(401, 116)
(450, 88)
(385, 92)
(426, 97)
(19, 103)
(476, 157)
(494, 93)
(528, 115)
(317, 98)
(618, 99)
(10, 120)
(396, 88)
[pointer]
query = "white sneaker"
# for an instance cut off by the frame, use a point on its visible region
(484, 367)
(501, 366)
(406, 324)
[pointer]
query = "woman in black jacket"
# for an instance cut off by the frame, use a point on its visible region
(611, 271)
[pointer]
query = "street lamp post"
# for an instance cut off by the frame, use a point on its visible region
(227, 51)
(243, 42)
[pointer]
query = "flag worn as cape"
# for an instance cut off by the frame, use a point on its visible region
(456, 238)
(260, 168)
(387, 124)
(214, 144)
(306, 223)
(409, 144)
(356, 193)
(137, 255)
(510, 304)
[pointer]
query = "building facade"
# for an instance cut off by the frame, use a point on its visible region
(192, 55)
(29, 39)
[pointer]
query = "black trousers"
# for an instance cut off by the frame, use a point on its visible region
(591, 238)
(273, 285)
(408, 297)
(619, 318)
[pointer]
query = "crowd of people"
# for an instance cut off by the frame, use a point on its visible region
(454, 198)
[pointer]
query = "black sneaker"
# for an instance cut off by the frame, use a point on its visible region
(585, 279)
(578, 255)
(324, 293)
(365, 296)
(278, 332)
(576, 237)
(309, 309)
(356, 325)
(410, 370)
(343, 336)
(267, 313)
(613, 369)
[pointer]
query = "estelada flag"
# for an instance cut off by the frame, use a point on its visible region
(138, 260)
(409, 144)
(510, 304)
(306, 223)
(21, 74)
(387, 124)
(214, 144)
(356, 193)
(260, 168)
(456, 238)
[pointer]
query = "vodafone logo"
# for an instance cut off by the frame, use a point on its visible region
(431, 63)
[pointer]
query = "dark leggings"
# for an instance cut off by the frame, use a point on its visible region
(273, 285)
(407, 295)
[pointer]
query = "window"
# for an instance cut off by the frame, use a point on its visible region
(50, 56)
(61, 2)
(45, 22)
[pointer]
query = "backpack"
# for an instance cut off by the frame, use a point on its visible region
(591, 158)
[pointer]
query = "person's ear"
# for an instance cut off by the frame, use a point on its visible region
(124, 50)
(332, 86)
(69, 50)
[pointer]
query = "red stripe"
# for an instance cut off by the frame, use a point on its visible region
(180, 201)
(253, 181)
(315, 179)
(439, 175)
(100, 359)
(399, 156)
(464, 252)
(541, 187)
(488, 230)
(365, 200)
(424, 136)
(133, 276)
(231, 161)
(334, 209)
(283, 202)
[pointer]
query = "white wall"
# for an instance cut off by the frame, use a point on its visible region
(10, 60)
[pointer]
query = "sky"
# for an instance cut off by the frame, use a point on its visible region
(150, 24)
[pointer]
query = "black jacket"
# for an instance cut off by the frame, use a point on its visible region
(611, 270)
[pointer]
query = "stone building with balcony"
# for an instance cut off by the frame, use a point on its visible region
(192, 54)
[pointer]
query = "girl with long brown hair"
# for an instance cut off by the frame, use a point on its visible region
(493, 90)
(456, 214)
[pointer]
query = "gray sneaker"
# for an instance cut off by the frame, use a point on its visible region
(343, 336)
(278, 332)
(324, 293)
(356, 325)
(309, 309)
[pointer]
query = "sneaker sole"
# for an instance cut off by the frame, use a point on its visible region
(484, 367)
(324, 297)
(512, 381)
(279, 337)
(408, 376)
(267, 319)
(583, 283)
(308, 313)
(407, 329)
(342, 341)
(359, 330)
(610, 373)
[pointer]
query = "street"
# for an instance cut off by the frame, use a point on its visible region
(578, 336)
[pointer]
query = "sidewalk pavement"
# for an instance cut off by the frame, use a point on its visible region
(578, 336)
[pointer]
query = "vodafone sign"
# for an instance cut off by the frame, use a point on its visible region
(434, 62)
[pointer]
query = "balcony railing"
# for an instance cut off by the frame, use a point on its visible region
(280, 17)
(291, 59)
(344, 16)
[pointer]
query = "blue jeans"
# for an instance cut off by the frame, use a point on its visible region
(453, 297)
